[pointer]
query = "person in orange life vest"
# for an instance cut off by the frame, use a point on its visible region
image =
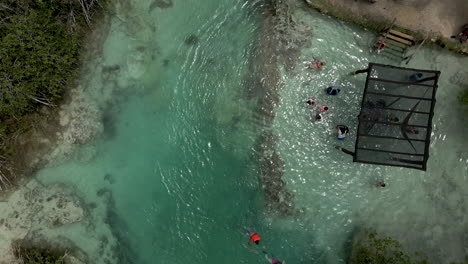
(253, 236)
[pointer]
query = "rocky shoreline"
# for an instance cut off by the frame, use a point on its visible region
(416, 18)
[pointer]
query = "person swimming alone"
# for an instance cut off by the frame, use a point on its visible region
(332, 90)
(317, 65)
(318, 117)
(311, 102)
(253, 236)
(342, 132)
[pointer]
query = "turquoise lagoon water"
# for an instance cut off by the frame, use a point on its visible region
(178, 153)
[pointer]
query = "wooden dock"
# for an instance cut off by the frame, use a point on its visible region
(397, 43)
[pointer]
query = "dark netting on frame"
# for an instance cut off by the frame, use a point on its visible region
(395, 121)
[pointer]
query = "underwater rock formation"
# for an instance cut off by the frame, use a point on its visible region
(160, 4)
(278, 198)
(264, 84)
(191, 40)
(122, 250)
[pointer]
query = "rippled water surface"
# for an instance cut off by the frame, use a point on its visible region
(179, 159)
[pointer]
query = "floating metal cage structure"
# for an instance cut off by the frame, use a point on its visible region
(395, 121)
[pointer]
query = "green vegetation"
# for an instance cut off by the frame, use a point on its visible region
(373, 249)
(39, 58)
(463, 96)
(379, 250)
(35, 63)
(39, 256)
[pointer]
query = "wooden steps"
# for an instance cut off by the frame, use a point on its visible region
(398, 39)
(394, 43)
(401, 34)
(397, 43)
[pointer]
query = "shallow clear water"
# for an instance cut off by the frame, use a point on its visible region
(177, 154)
(336, 194)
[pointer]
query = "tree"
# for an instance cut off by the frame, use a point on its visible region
(372, 249)
(37, 59)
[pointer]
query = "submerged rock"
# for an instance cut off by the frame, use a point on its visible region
(191, 40)
(278, 198)
(160, 4)
(109, 178)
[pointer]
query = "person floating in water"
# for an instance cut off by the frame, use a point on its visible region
(253, 236)
(273, 260)
(311, 102)
(317, 64)
(381, 183)
(380, 46)
(323, 108)
(411, 130)
(332, 90)
(391, 118)
(342, 132)
(318, 117)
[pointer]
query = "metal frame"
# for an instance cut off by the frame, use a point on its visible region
(402, 110)
(428, 127)
(398, 82)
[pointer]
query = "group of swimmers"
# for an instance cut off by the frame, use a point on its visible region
(342, 130)
(254, 238)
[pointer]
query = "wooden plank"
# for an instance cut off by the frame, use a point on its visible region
(393, 52)
(401, 34)
(404, 41)
(394, 43)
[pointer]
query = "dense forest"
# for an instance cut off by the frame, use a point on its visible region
(39, 57)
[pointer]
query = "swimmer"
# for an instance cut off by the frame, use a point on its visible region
(253, 236)
(342, 132)
(317, 65)
(318, 117)
(391, 118)
(380, 46)
(416, 77)
(273, 260)
(381, 183)
(323, 108)
(332, 90)
(411, 130)
(311, 102)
